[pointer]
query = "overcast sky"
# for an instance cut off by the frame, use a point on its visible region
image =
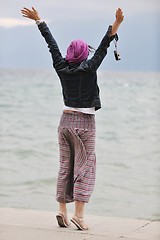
(87, 19)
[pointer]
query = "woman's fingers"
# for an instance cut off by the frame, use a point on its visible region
(34, 9)
(30, 13)
(119, 15)
(119, 11)
(24, 14)
(25, 11)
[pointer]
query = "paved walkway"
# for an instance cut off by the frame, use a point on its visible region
(24, 224)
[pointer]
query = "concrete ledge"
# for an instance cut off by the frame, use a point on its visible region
(24, 224)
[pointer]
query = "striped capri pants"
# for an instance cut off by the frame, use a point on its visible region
(76, 176)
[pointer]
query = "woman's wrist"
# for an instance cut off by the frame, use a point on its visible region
(115, 27)
(38, 21)
(37, 18)
(118, 22)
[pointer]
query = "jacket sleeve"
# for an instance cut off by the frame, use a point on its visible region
(57, 58)
(101, 51)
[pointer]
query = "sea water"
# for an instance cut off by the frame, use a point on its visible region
(127, 142)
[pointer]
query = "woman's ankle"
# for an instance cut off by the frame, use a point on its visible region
(79, 209)
(63, 208)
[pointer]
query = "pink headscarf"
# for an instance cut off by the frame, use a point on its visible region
(77, 51)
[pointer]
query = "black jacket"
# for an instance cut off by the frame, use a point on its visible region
(79, 81)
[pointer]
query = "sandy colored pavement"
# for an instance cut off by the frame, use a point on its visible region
(25, 224)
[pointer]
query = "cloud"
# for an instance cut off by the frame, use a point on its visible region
(93, 9)
(76, 10)
(83, 19)
(13, 22)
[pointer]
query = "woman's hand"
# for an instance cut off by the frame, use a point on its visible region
(30, 13)
(118, 21)
(119, 15)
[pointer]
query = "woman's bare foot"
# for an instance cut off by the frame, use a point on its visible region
(79, 222)
(62, 219)
(61, 216)
(78, 217)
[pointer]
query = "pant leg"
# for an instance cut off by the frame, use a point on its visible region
(65, 174)
(85, 165)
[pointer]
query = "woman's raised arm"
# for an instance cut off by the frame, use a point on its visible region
(52, 45)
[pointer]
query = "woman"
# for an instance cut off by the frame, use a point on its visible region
(76, 130)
